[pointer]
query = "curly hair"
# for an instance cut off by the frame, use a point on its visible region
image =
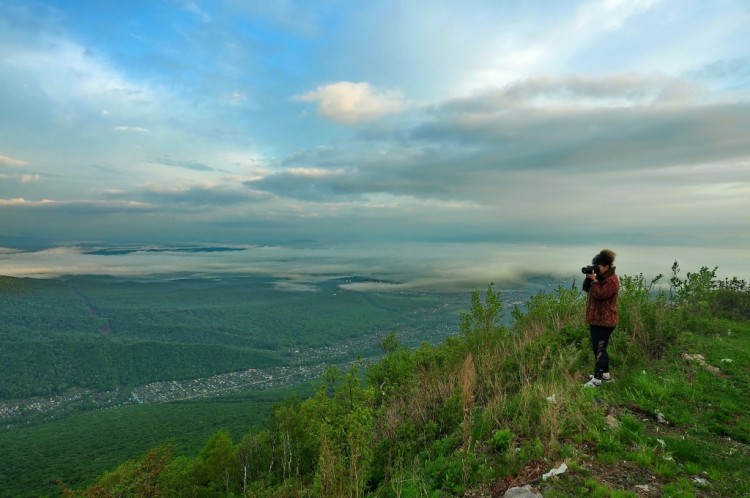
(605, 257)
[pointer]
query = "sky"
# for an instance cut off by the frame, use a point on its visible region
(417, 141)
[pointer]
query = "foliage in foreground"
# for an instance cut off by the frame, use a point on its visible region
(500, 405)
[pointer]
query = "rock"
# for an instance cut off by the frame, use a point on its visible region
(660, 418)
(700, 481)
(524, 492)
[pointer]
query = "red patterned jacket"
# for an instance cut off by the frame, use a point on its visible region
(601, 305)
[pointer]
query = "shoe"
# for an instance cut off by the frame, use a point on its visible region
(593, 383)
(606, 377)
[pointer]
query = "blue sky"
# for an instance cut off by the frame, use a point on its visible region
(320, 124)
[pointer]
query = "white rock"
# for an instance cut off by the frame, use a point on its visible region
(524, 492)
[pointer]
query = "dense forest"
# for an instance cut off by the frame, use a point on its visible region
(497, 406)
(102, 333)
(80, 353)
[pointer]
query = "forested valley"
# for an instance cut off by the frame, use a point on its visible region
(101, 333)
(105, 366)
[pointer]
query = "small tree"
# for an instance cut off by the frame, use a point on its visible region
(216, 463)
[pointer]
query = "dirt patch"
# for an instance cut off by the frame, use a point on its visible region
(629, 476)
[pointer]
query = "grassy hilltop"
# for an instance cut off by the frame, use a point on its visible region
(500, 406)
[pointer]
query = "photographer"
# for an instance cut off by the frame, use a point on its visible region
(602, 286)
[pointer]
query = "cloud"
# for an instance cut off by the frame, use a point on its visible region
(78, 207)
(505, 129)
(195, 9)
(539, 133)
(348, 184)
(74, 79)
(191, 165)
(350, 103)
(131, 129)
(607, 16)
(578, 91)
(200, 196)
(284, 13)
(30, 178)
(725, 68)
(552, 43)
(12, 163)
(237, 98)
(20, 201)
(307, 186)
(313, 172)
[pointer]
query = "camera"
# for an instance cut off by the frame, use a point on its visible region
(590, 268)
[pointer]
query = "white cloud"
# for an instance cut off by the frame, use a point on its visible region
(237, 98)
(134, 129)
(298, 17)
(195, 9)
(77, 206)
(314, 172)
(349, 103)
(67, 72)
(608, 15)
(12, 162)
(29, 178)
(20, 201)
(547, 47)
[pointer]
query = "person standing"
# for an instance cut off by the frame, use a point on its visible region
(602, 286)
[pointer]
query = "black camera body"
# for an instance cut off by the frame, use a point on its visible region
(590, 269)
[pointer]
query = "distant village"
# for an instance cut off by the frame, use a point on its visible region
(312, 364)
(308, 364)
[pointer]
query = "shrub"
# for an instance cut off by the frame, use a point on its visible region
(731, 304)
(645, 318)
(501, 440)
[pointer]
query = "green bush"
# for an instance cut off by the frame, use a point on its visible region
(645, 318)
(501, 439)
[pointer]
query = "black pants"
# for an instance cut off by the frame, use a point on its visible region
(599, 341)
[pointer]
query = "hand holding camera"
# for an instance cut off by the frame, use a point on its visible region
(590, 271)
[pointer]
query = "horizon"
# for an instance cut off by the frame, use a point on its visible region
(490, 133)
(385, 267)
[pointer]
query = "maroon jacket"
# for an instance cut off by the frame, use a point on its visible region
(601, 305)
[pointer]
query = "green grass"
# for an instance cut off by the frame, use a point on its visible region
(672, 422)
(681, 419)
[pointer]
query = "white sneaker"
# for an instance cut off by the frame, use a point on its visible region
(606, 377)
(593, 383)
